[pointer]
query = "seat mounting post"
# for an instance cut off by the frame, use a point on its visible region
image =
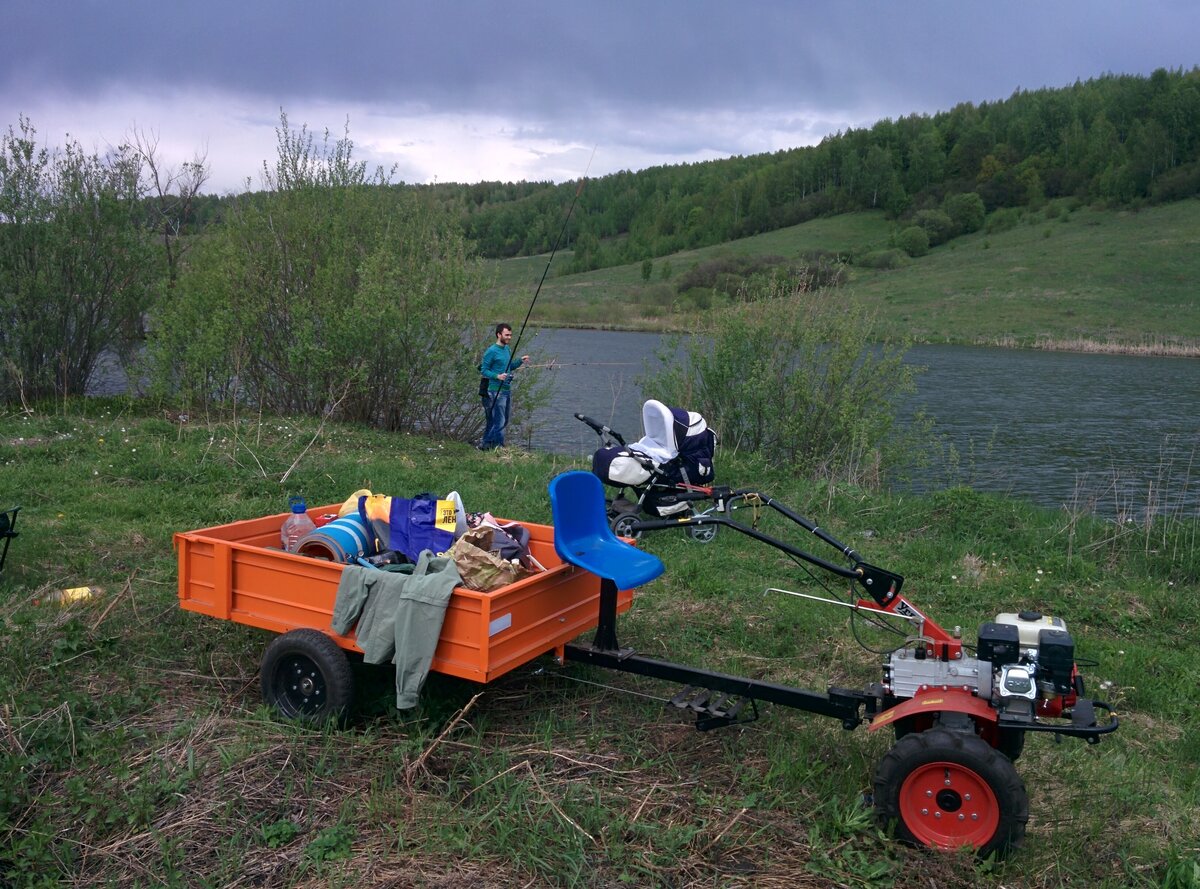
(606, 630)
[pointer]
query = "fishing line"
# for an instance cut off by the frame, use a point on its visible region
(605, 686)
(554, 365)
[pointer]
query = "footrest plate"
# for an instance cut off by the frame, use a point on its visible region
(714, 709)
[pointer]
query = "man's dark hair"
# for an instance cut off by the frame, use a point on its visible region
(502, 327)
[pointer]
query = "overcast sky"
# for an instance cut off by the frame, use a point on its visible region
(514, 89)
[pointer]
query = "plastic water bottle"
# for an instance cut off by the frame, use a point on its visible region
(296, 525)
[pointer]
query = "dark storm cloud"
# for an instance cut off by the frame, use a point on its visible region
(666, 80)
(473, 55)
(563, 57)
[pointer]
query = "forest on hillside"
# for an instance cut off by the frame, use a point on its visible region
(1116, 140)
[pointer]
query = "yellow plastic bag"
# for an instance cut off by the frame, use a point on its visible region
(351, 504)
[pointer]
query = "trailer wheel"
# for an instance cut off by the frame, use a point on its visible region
(305, 675)
(622, 525)
(703, 533)
(949, 789)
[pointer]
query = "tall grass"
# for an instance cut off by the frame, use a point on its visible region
(1151, 514)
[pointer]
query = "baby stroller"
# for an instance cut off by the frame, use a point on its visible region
(667, 472)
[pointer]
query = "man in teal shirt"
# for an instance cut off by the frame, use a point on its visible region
(497, 404)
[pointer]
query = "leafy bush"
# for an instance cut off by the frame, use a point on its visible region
(1176, 184)
(799, 380)
(328, 294)
(77, 268)
(749, 278)
(726, 272)
(1002, 220)
(966, 212)
(938, 226)
(913, 241)
(882, 259)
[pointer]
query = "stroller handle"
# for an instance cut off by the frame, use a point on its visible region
(600, 429)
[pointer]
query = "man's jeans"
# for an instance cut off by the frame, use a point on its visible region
(498, 407)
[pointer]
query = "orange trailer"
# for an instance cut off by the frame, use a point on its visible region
(232, 572)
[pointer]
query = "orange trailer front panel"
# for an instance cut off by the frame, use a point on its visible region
(236, 572)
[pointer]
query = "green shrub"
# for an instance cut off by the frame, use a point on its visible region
(1003, 220)
(749, 278)
(913, 241)
(966, 212)
(1173, 185)
(328, 294)
(937, 224)
(77, 263)
(799, 380)
(697, 298)
(882, 259)
(726, 272)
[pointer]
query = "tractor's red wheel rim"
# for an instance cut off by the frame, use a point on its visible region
(947, 805)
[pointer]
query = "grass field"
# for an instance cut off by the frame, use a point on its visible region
(134, 750)
(1058, 277)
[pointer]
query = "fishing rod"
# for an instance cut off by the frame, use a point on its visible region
(553, 250)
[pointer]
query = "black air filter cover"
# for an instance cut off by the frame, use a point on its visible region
(999, 643)
(1056, 658)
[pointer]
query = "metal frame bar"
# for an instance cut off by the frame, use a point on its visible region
(843, 704)
(9, 532)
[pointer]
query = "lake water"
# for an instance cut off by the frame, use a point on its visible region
(1052, 427)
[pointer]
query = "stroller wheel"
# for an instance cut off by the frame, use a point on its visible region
(622, 525)
(703, 533)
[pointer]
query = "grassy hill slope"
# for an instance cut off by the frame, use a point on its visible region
(1059, 276)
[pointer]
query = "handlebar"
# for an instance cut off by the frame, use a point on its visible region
(883, 585)
(600, 429)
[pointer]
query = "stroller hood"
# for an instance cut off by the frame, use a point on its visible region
(677, 448)
(678, 443)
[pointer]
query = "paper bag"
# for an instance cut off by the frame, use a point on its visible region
(481, 569)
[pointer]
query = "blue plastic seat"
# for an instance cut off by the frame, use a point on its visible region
(583, 538)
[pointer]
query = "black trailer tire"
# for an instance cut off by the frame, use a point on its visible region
(947, 789)
(306, 676)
